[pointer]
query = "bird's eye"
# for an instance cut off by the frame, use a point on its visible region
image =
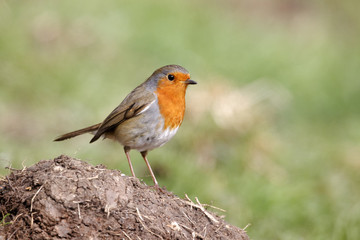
(171, 77)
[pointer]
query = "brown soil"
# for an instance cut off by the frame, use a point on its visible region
(66, 198)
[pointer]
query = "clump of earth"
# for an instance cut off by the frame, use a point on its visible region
(66, 198)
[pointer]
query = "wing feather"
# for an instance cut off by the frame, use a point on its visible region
(133, 105)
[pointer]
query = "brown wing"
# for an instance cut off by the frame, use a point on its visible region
(130, 107)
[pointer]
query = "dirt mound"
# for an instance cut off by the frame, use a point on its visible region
(66, 198)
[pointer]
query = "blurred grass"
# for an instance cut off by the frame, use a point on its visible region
(272, 129)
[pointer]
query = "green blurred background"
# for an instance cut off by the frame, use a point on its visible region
(271, 132)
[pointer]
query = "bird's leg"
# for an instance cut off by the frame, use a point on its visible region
(127, 150)
(143, 154)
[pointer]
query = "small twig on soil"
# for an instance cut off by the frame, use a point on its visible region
(13, 234)
(205, 230)
(193, 233)
(221, 225)
(10, 168)
(187, 198)
(141, 221)
(107, 210)
(248, 225)
(13, 221)
(89, 178)
(138, 212)
(31, 205)
(95, 177)
(188, 218)
(33, 198)
(211, 206)
(206, 212)
(126, 235)
(32, 220)
(7, 178)
(79, 211)
(24, 167)
(199, 206)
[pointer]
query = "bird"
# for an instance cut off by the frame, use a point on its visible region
(148, 117)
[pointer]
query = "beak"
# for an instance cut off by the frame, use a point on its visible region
(189, 81)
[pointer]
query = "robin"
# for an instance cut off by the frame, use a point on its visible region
(148, 117)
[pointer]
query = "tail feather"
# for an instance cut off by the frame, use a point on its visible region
(78, 132)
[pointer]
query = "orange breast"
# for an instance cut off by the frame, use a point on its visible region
(171, 98)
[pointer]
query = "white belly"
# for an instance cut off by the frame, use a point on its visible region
(144, 133)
